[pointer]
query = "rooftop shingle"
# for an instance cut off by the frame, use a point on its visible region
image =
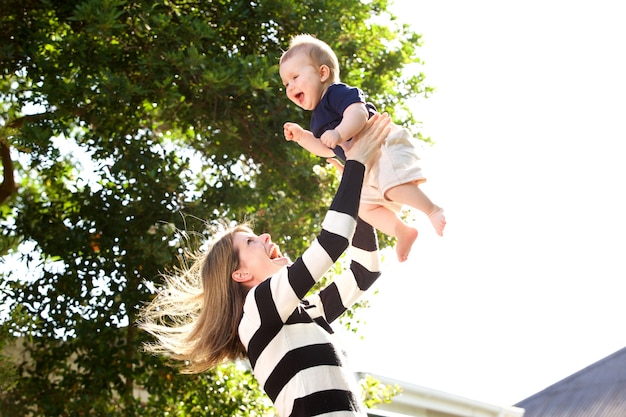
(598, 390)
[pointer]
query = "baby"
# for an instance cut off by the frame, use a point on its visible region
(309, 70)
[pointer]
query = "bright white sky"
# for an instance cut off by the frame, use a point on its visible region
(527, 286)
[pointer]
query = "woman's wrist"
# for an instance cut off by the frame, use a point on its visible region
(354, 160)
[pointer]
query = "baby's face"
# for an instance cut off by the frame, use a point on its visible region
(303, 81)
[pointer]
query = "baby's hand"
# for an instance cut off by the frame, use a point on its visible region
(331, 138)
(293, 131)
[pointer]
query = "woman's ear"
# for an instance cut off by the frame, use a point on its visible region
(240, 276)
(324, 73)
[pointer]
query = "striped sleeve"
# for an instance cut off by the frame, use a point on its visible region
(276, 298)
(338, 228)
(364, 270)
(349, 192)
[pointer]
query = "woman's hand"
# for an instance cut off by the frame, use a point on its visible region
(334, 162)
(364, 147)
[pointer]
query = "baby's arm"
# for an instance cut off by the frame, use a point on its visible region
(306, 139)
(353, 121)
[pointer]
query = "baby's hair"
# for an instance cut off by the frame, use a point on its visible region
(317, 50)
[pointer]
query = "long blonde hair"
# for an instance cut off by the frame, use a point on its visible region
(195, 317)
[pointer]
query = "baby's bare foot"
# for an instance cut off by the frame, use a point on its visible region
(438, 219)
(404, 242)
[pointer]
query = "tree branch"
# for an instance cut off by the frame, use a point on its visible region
(19, 122)
(8, 187)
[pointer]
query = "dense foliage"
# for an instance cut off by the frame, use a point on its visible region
(123, 122)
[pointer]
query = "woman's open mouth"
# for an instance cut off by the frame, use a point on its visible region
(275, 252)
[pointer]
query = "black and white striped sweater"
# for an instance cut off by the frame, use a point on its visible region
(288, 337)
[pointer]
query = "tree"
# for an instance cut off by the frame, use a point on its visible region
(123, 122)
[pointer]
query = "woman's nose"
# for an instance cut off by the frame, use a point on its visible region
(265, 237)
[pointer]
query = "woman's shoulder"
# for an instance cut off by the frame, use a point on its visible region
(276, 292)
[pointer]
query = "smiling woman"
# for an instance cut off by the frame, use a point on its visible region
(243, 300)
(259, 258)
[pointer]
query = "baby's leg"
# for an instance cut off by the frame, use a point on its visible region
(438, 219)
(411, 195)
(390, 224)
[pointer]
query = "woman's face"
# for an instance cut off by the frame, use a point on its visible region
(259, 257)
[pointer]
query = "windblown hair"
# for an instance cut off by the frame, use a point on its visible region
(195, 317)
(317, 50)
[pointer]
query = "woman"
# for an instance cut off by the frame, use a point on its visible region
(243, 299)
